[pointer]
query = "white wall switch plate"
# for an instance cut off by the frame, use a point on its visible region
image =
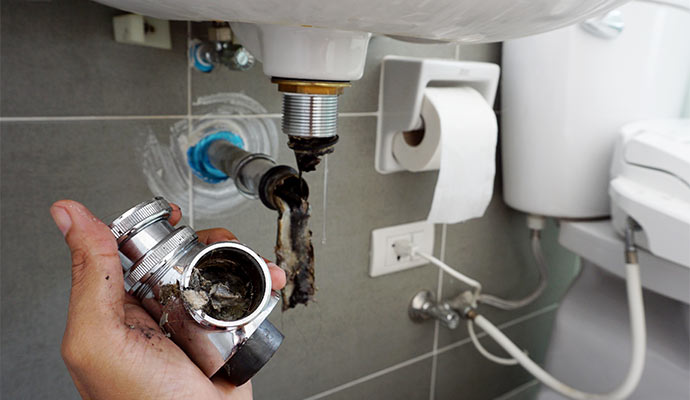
(141, 30)
(384, 260)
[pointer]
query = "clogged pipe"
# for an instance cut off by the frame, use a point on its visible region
(219, 157)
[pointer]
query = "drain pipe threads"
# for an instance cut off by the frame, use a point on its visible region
(310, 118)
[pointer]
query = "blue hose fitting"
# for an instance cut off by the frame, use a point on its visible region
(198, 160)
(199, 62)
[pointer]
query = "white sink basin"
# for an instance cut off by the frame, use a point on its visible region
(327, 39)
(452, 20)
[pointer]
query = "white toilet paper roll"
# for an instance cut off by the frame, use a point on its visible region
(460, 133)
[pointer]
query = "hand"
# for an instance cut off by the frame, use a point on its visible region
(106, 358)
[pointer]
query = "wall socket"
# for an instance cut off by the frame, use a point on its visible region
(384, 260)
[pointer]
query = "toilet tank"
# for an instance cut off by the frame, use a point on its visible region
(566, 93)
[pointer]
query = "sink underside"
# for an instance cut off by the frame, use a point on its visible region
(472, 21)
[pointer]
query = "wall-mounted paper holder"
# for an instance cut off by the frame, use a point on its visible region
(403, 80)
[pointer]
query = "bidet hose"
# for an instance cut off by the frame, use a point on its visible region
(538, 254)
(637, 325)
(639, 339)
(485, 352)
(450, 271)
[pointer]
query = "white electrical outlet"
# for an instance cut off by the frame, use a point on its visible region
(384, 260)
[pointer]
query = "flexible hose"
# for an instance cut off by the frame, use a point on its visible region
(485, 352)
(450, 271)
(477, 289)
(638, 333)
(505, 304)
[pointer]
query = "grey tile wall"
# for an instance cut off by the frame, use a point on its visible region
(42, 163)
(410, 382)
(527, 391)
(59, 58)
(59, 63)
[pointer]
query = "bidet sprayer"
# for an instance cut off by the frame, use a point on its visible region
(211, 300)
(220, 156)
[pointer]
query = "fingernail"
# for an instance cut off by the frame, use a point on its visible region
(61, 218)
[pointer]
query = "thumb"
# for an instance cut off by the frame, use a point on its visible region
(97, 283)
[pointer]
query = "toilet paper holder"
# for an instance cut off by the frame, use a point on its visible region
(403, 80)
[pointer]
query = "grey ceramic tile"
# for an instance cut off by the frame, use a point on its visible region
(527, 391)
(468, 375)
(480, 52)
(495, 250)
(357, 325)
(60, 58)
(409, 383)
(93, 162)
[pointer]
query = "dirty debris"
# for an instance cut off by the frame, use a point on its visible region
(166, 296)
(308, 151)
(168, 293)
(147, 332)
(162, 323)
(294, 250)
(196, 300)
(217, 290)
(163, 320)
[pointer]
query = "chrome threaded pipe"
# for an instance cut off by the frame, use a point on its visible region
(310, 118)
(310, 115)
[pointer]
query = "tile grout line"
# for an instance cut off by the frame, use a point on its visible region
(439, 291)
(190, 176)
(358, 114)
(189, 71)
(511, 393)
(371, 376)
(188, 116)
(424, 356)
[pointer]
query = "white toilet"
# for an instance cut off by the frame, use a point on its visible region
(592, 133)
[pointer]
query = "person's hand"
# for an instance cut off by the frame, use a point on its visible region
(106, 358)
